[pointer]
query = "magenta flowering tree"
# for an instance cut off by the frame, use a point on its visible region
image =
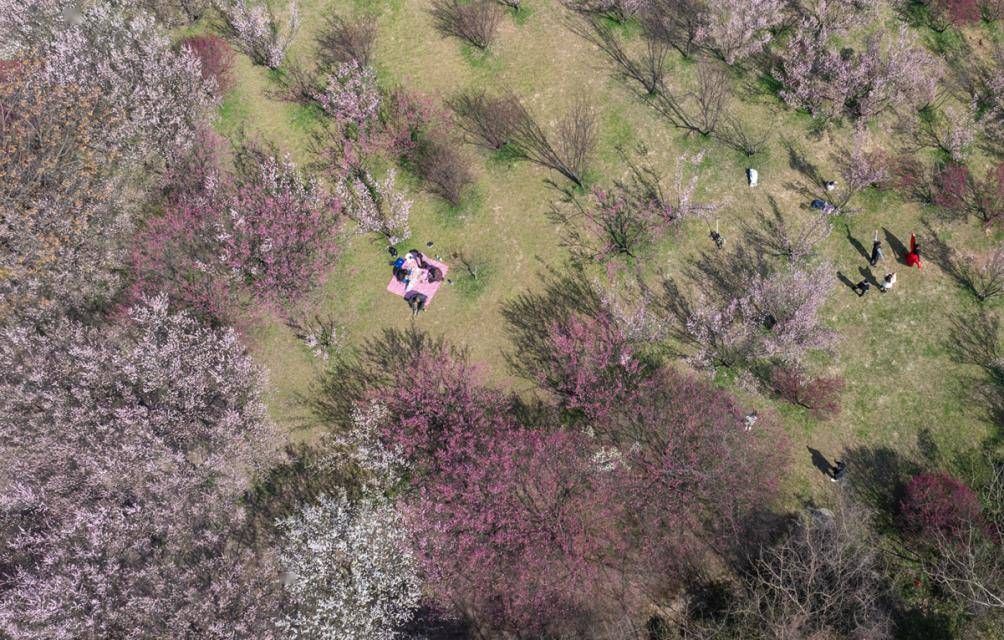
(961, 194)
(268, 232)
(351, 97)
(591, 367)
(938, 503)
(216, 60)
(125, 452)
(691, 472)
(517, 531)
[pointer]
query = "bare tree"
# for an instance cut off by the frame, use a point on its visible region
(678, 23)
(646, 69)
(474, 22)
(982, 274)
(710, 98)
(821, 579)
(782, 237)
(576, 138)
(489, 121)
(741, 136)
(342, 40)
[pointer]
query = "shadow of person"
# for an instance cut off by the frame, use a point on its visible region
(847, 281)
(867, 274)
(897, 247)
(820, 462)
(857, 245)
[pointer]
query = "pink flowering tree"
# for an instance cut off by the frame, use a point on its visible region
(739, 29)
(881, 76)
(938, 503)
(351, 97)
(773, 316)
(259, 32)
(126, 451)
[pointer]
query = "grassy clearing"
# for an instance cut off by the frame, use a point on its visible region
(900, 374)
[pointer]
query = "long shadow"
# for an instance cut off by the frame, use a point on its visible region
(877, 476)
(847, 281)
(867, 274)
(857, 245)
(896, 245)
(820, 462)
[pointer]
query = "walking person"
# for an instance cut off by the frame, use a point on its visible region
(913, 258)
(862, 287)
(876, 250)
(839, 471)
(888, 282)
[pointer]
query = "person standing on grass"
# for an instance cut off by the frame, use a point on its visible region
(913, 258)
(862, 287)
(839, 471)
(876, 250)
(887, 282)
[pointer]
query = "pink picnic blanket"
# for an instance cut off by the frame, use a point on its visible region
(427, 288)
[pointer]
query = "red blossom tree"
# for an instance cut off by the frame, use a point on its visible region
(938, 503)
(962, 194)
(821, 396)
(216, 59)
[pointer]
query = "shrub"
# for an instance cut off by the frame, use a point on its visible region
(473, 22)
(441, 167)
(216, 59)
(820, 395)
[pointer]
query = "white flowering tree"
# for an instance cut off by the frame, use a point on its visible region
(157, 92)
(124, 455)
(349, 575)
(258, 31)
(377, 207)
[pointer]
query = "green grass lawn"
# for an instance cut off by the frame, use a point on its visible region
(900, 374)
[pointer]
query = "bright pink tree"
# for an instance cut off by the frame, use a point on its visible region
(591, 367)
(938, 503)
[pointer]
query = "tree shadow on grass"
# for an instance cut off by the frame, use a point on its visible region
(529, 318)
(876, 478)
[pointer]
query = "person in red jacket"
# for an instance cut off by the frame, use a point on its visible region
(913, 258)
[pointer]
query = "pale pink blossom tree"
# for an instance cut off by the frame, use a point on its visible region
(125, 453)
(739, 29)
(351, 96)
(350, 572)
(259, 32)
